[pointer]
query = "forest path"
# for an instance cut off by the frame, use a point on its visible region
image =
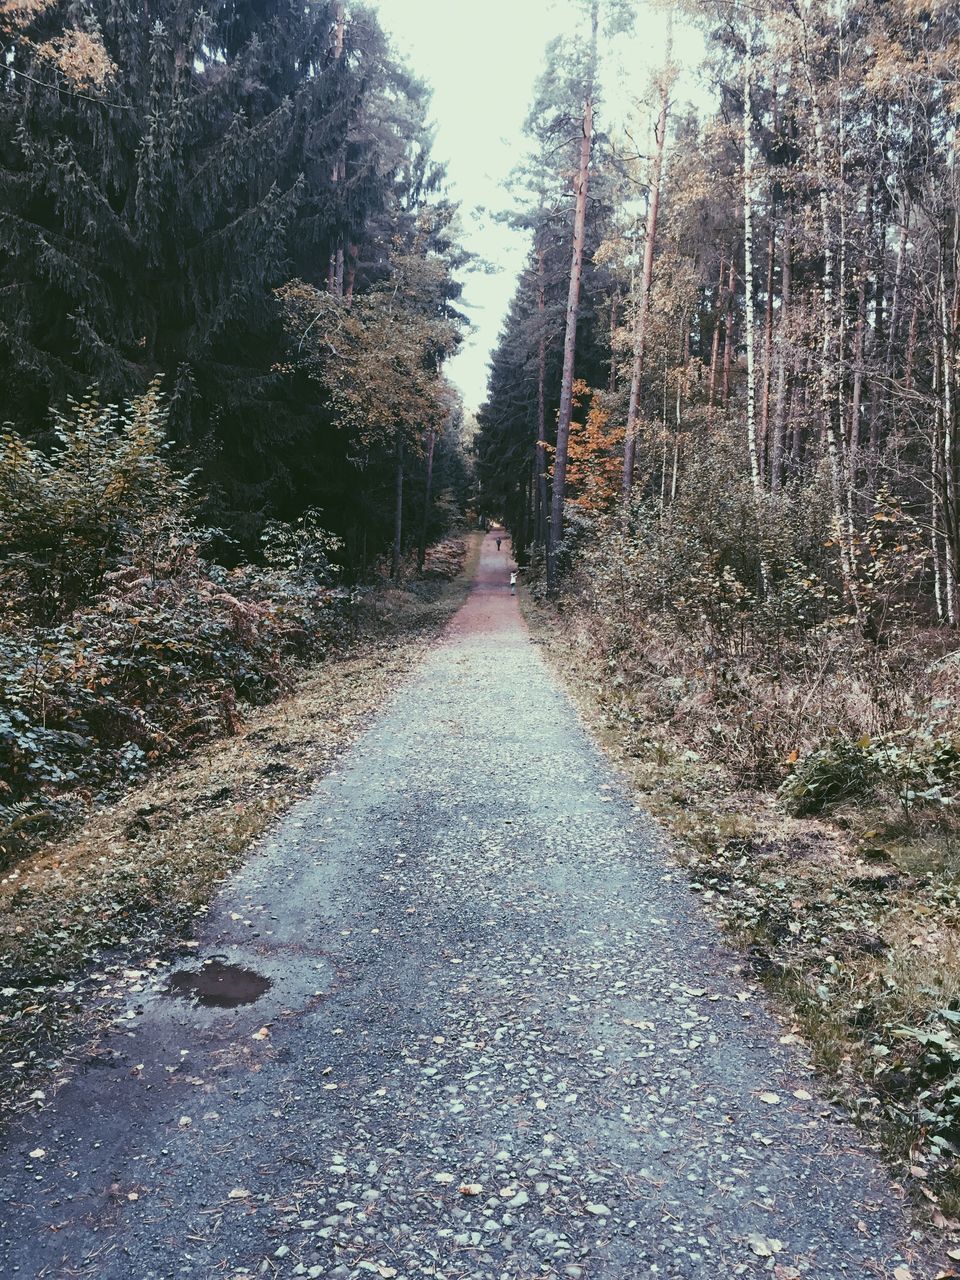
(501, 1040)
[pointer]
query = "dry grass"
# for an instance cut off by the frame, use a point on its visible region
(853, 923)
(125, 889)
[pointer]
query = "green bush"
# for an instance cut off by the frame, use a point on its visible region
(121, 642)
(919, 766)
(841, 770)
(69, 515)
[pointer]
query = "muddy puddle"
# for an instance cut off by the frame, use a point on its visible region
(218, 985)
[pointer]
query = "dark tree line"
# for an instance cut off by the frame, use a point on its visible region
(164, 170)
(780, 277)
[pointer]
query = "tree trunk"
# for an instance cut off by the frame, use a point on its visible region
(936, 490)
(765, 444)
(859, 345)
(728, 332)
(540, 459)
(335, 270)
(715, 342)
(749, 319)
(911, 351)
(398, 517)
(663, 441)
(780, 410)
(573, 312)
(951, 557)
(614, 312)
(828, 368)
(803, 374)
(353, 254)
(427, 496)
(646, 280)
(677, 427)
(883, 399)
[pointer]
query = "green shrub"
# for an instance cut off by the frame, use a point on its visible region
(121, 642)
(919, 766)
(69, 515)
(841, 770)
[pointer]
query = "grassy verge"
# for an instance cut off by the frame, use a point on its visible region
(123, 892)
(853, 924)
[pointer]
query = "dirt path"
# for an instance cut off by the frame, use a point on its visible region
(499, 1040)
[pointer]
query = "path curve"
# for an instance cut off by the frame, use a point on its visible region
(501, 1040)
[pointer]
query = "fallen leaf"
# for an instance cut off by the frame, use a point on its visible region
(470, 1188)
(764, 1246)
(802, 1095)
(784, 1272)
(238, 1193)
(262, 1034)
(902, 1273)
(771, 1098)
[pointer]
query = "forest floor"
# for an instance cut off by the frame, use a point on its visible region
(458, 1015)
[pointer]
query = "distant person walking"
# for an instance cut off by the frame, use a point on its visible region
(498, 544)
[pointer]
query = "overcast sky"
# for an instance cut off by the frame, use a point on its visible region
(481, 58)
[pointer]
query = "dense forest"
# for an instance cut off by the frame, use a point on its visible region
(227, 294)
(723, 407)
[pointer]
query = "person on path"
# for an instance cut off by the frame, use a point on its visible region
(513, 584)
(498, 544)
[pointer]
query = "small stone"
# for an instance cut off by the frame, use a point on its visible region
(599, 1210)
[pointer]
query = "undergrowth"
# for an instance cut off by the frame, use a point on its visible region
(850, 914)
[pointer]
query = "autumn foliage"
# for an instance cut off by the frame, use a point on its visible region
(595, 451)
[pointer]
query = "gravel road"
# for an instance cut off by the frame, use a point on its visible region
(489, 1033)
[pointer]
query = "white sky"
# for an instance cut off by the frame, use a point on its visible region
(482, 60)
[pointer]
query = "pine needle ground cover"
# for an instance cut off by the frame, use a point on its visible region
(86, 915)
(850, 916)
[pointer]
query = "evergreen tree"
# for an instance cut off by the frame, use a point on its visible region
(150, 215)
